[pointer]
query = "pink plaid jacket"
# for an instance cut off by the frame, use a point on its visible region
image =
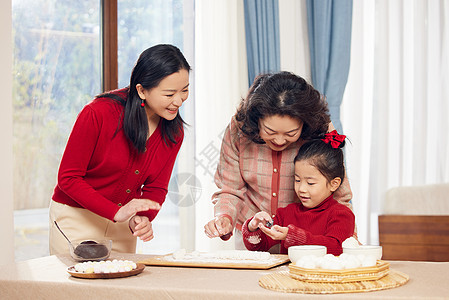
(251, 178)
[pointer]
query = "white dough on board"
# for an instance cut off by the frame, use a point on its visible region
(223, 255)
(243, 254)
(179, 254)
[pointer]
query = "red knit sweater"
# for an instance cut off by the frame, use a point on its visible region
(327, 224)
(101, 171)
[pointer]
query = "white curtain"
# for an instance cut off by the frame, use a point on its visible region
(396, 102)
(294, 40)
(220, 82)
(394, 110)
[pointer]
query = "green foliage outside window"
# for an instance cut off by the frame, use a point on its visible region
(56, 71)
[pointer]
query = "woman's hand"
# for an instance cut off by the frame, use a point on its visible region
(218, 227)
(259, 219)
(134, 206)
(141, 227)
(276, 232)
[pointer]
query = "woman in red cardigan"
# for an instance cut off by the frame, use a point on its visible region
(117, 163)
(318, 219)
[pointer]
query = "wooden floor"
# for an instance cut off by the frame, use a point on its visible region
(416, 238)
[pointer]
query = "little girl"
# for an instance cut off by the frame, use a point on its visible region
(318, 219)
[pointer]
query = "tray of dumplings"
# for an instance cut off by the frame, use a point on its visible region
(341, 269)
(105, 269)
(232, 259)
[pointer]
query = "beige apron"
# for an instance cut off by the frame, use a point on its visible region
(82, 224)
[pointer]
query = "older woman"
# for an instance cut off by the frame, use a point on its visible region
(256, 168)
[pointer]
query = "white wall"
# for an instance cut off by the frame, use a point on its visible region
(6, 157)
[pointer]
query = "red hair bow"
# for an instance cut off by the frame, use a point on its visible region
(334, 139)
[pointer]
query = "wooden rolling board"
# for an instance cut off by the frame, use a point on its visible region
(208, 261)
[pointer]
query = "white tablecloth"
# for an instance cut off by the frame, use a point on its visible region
(47, 278)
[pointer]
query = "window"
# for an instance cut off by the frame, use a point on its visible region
(142, 24)
(57, 70)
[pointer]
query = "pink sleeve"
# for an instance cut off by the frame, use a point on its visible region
(231, 186)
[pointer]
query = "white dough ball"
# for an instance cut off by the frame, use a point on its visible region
(369, 261)
(307, 261)
(344, 256)
(351, 262)
(309, 265)
(179, 254)
(360, 257)
(329, 257)
(333, 265)
(350, 243)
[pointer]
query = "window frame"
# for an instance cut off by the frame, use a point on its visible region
(109, 47)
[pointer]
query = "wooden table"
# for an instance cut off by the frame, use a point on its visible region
(47, 278)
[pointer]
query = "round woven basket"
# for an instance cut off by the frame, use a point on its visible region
(284, 282)
(378, 271)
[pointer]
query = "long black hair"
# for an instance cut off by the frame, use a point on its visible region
(152, 66)
(284, 94)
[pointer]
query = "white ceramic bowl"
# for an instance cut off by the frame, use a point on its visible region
(375, 251)
(296, 252)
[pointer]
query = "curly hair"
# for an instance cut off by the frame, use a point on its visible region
(283, 94)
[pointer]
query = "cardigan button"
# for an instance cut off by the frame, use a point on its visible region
(137, 172)
(275, 170)
(128, 191)
(274, 194)
(119, 204)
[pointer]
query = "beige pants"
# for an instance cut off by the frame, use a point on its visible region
(82, 224)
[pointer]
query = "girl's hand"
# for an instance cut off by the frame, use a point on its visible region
(259, 219)
(276, 232)
(141, 227)
(134, 206)
(218, 227)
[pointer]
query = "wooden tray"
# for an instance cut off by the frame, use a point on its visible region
(139, 269)
(164, 260)
(283, 282)
(378, 271)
